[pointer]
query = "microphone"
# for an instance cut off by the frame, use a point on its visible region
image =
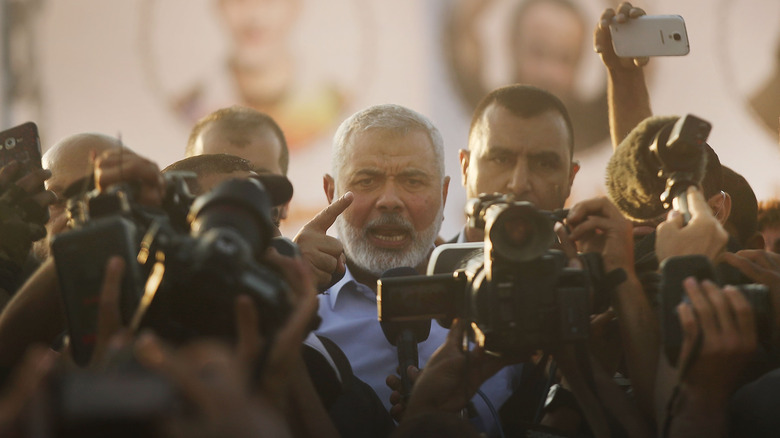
(405, 335)
(656, 163)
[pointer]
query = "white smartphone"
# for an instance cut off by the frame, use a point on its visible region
(650, 35)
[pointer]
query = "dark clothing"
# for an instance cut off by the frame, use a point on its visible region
(353, 406)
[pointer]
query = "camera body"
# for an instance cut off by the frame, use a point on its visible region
(195, 278)
(518, 294)
(182, 276)
(676, 269)
(102, 226)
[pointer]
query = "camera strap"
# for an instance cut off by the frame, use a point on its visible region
(613, 279)
(583, 358)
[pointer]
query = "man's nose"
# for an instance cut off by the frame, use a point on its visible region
(520, 181)
(390, 199)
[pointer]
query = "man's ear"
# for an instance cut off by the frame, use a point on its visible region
(445, 187)
(329, 185)
(284, 210)
(464, 155)
(575, 167)
(720, 204)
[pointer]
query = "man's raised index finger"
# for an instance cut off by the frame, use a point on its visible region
(327, 217)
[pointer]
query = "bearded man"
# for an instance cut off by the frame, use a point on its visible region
(386, 191)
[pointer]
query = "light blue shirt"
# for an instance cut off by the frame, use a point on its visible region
(349, 318)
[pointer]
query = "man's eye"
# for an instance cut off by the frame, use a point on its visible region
(365, 182)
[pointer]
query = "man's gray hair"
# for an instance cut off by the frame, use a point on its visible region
(388, 117)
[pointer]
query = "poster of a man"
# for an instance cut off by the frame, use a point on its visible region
(261, 71)
(546, 43)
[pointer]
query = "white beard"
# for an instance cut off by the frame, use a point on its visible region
(378, 260)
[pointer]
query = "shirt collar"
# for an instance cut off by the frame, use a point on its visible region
(347, 282)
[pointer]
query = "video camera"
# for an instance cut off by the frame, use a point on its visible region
(676, 269)
(516, 292)
(195, 279)
(181, 278)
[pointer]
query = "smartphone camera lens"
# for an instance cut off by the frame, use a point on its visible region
(676, 37)
(10, 143)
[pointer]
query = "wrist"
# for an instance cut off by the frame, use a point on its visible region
(622, 73)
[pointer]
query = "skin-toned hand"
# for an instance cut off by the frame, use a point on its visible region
(119, 165)
(23, 223)
(723, 323)
(324, 253)
(24, 383)
(209, 375)
(279, 389)
(726, 324)
(703, 235)
(598, 226)
(31, 183)
(396, 400)
(759, 265)
(602, 37)
(285, 353)
(452, 376)
(762, 267)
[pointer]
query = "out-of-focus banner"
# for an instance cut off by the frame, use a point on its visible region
(148, 69)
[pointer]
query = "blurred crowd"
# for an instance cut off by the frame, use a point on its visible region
(136, 301)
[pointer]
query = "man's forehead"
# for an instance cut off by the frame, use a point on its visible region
(499, 126)
(378, 146)
(259, 145)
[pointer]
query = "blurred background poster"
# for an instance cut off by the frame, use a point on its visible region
(148, 69)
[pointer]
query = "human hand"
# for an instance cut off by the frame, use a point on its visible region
(758, 265)
(397, 400)
(452, 376)
(24, 383)
(602, 38)
(119, 165)
(283, 355)
(703, 234)
(598, 226)
(719, 339)
(723, 322)
(23, 210)
(211, 377)
(762, 267)
(325, 254)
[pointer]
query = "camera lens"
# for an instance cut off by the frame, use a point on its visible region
(518, 231)
(676, 37)
(10, 143)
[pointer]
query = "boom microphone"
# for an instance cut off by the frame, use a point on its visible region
(405, 335)
(657, 161)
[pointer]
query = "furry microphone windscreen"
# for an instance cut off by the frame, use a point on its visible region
(632, 178)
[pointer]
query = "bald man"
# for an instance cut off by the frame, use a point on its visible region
(69, 160)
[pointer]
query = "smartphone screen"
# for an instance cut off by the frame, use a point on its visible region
(21, 143)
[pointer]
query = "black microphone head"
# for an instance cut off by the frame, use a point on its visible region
(392, 330)
(632, 179)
